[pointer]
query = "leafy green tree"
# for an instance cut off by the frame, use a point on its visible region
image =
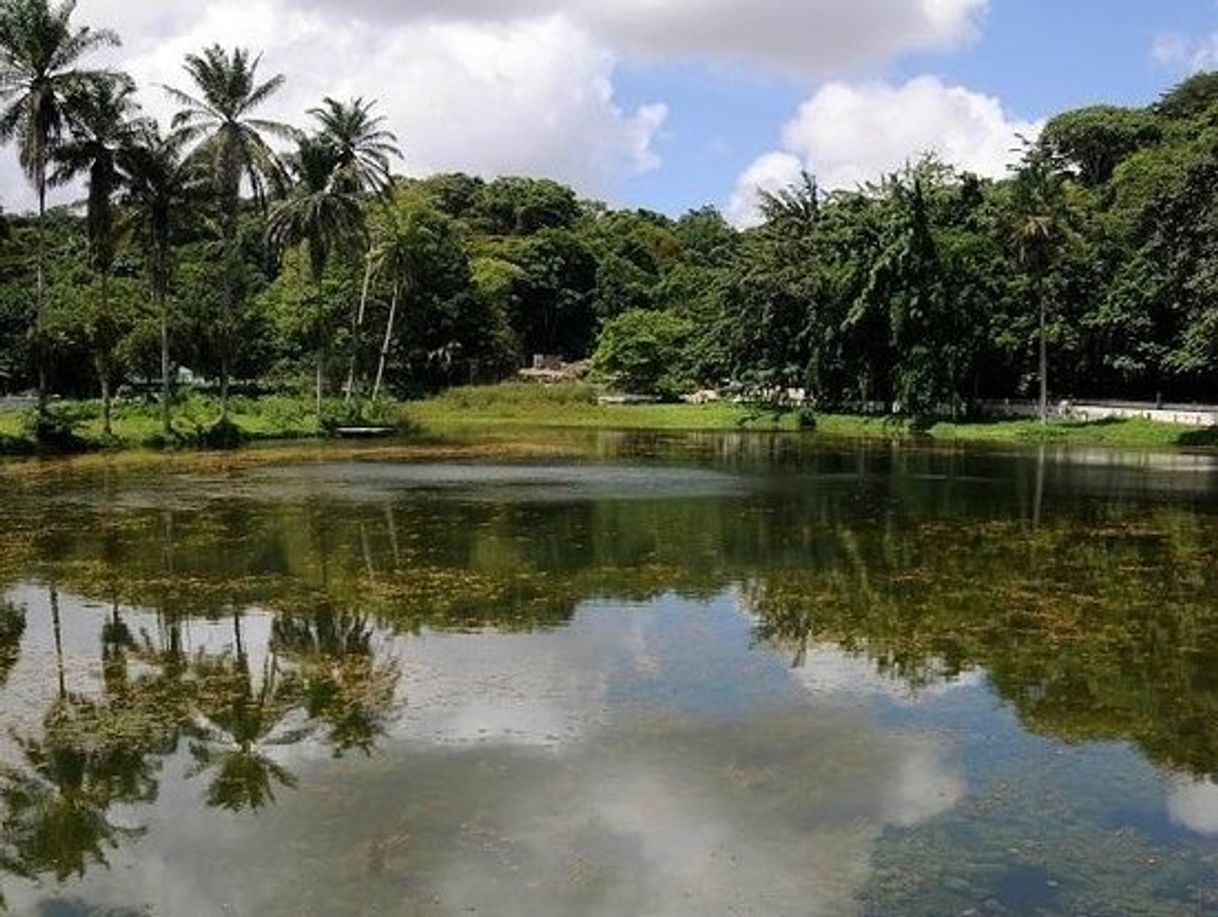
(1094, 141)
(646, 352)
(40, 78)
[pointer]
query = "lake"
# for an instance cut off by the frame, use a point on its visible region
(612, 674)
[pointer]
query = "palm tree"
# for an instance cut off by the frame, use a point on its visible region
(233, 145)
(105, 124)
(363, 148)
(163, 191)
(395, 257)
(40, 76)
(365, 152)
(1041, 230)
(322, 213)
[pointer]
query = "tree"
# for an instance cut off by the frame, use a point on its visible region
(364, 152)
(321, 212)
(1094, 141)
(233, 146)
(363, 149)
(1040, 230)
(163, 193)
(105, 125)
(40, 77)
(645, 352)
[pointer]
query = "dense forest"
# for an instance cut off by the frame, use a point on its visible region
(278, 257)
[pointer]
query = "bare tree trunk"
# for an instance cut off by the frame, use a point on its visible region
(357, 327)
(385, 345)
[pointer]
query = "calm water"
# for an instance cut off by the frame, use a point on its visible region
(689, 675)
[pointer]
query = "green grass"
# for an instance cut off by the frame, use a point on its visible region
(520, 407)
(137, 424)
(575, 407)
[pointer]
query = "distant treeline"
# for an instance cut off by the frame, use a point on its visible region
(248, 249)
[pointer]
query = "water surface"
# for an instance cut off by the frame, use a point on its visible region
(666, 675)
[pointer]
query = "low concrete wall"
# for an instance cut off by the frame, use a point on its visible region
(1185, 415)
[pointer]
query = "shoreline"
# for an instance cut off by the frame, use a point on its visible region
(508, 408)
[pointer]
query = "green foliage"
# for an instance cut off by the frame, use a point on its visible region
(1089, 272)
(645, 352)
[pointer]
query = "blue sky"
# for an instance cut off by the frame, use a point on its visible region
(672, 104)
(1039, 57)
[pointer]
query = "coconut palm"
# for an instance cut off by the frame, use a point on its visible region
(365, 152)
(163, 193)
(363, 148)
(105, 124)
(322, 213)
(40, 77)
(233, 145)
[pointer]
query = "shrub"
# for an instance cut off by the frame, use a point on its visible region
(55, 430)
(647, 352)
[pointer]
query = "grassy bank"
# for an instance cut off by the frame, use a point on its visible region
(137, 425)
(575, 406)
(506, 407)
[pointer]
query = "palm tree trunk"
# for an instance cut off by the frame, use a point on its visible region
(103, 372)
(321, 381)
(357, 327)
(380, 368)
(163, 310)
(224, 383)
(1044, 364)
(103, 358)
(40, 302)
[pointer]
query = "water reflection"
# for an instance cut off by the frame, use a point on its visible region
(646, 688)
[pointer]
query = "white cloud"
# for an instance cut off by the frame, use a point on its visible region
(1185, 54)
(768, 174)
(526, 86)
(528, 96)
(812, 37)
(848, 134)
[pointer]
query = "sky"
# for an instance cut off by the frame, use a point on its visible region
(676, 104)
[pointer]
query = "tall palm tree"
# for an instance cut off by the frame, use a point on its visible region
(40, 74)
(233, 145)
(394, 257)
(1040, 232)
(322, 213)
(163, 193)
(365, 151)
(363, 148)
(105, 124)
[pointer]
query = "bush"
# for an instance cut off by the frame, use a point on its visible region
(519, 396)
(55, 430)
(647, 352)
(805, 419)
